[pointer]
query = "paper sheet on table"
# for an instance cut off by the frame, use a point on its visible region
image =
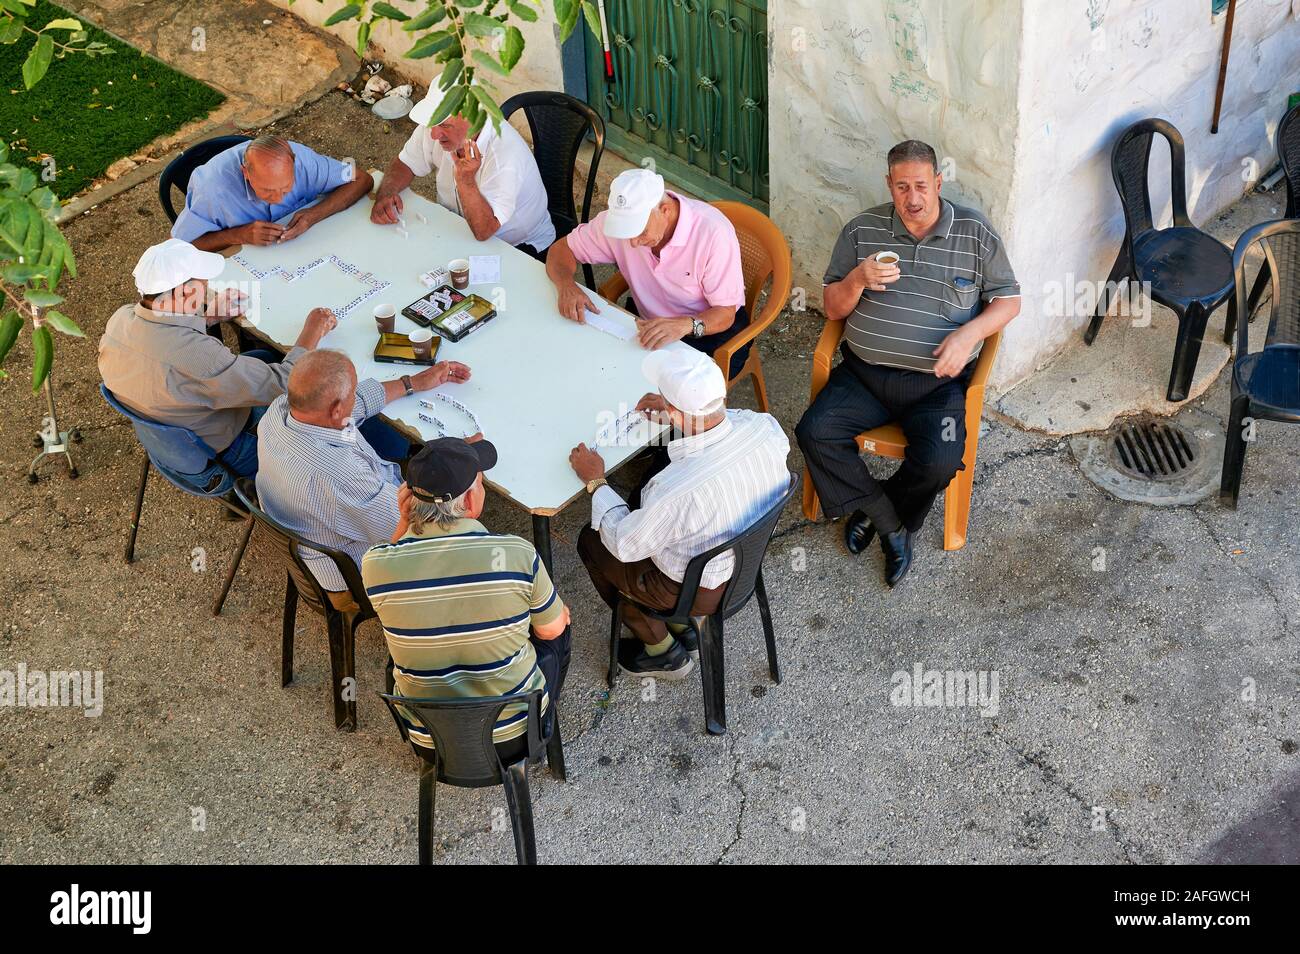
(484, 269)
(611, 326)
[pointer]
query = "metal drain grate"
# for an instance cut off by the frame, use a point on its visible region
(1153, 450)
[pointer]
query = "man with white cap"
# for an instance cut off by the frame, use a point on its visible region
(680, 256)
(158, 359)
(490, 179)
(726, 469)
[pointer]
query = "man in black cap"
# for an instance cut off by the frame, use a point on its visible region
(457, 602)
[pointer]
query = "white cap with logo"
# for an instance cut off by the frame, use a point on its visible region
(689, 380)
(632, 197)
(163, 267)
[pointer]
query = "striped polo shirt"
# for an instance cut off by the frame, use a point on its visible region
(946, 279)
(456, 605)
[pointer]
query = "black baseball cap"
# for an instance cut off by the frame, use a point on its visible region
(446, 468)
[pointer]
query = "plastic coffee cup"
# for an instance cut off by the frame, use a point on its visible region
(887, 258)
(422, 343)
(385, 318)
(459, 269)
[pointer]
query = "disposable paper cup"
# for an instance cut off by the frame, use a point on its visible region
(459, 268)
(385, 317)
(422, 343)
(887, 258)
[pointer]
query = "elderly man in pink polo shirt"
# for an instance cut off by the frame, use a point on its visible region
(680, 257)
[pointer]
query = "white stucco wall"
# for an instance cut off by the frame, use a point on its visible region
(538, 69)
(1088, 69)
(850, 78)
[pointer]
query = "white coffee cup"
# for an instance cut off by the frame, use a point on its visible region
(887, 258)
(422, 343)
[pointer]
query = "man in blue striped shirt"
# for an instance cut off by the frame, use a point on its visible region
(318, 475)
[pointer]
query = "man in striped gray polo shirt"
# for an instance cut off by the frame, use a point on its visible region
(915, 324)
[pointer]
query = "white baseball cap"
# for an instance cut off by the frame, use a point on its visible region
(162, 267)
(632, 196)
(423, 111)
(689, 380)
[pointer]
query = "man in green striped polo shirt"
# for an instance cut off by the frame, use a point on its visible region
(921, 283)
(457, 602)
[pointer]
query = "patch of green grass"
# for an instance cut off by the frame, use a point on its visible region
(89, 112)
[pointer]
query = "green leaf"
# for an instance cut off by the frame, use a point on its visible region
(10, 325)
(42, 356)
(485, 59)
(22, 274)
(450, 73)
(62, 323)
(449, 105)
(38, 60)
(64, 23)
(43, 198)
(363, 37)
(593, 17)
(11, 28)
(489, 105)
(42, 299)
(513, 48)
(476, 24)
(350, 12)
(434, 14)
(389, 12)
(430, 44)
(522, 10)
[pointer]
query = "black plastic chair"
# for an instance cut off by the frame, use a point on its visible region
(1186, 270)
(180, 169)
(1266, 384)
(464, 755)
(559, 123)
(187, 463)
(749, 547)
(1288, 153)
(301, 584)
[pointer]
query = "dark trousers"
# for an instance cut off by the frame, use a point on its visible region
(860, 396)
(710, 343)
(641, 581)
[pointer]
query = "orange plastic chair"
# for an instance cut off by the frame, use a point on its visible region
(764, 253)
(889, 441)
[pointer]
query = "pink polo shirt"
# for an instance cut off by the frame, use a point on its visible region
(698, 269)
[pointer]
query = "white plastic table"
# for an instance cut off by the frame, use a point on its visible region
(540, 384)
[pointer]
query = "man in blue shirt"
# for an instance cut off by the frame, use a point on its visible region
(244, 195)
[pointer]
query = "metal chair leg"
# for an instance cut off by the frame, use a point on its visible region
(287, 625)
(428, 797)
(615, 630)
(712, 674)
(555, 746)
(1118, 272)
(515, 779)
(1234, 453)
(769, 634)
(139, 506)
(234, 566)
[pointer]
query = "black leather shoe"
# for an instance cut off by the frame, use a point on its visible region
(858, 532)
(898, 554)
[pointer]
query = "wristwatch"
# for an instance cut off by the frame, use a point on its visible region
(697, 327)
(406, 383)
(595, 484)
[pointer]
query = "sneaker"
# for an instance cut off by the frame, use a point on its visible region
(672, 665)
(686, 638)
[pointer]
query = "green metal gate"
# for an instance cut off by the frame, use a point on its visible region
(689, 90)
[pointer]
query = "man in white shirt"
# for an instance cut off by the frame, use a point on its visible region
(490, 180)
(726, 469)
